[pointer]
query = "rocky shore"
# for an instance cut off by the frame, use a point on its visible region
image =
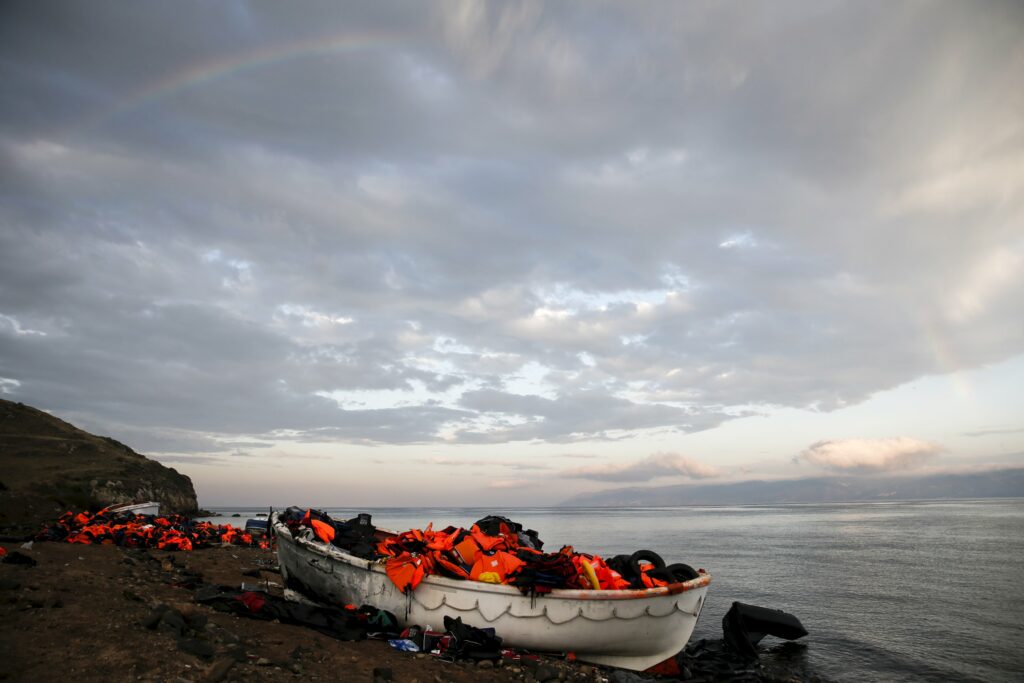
(103, 613)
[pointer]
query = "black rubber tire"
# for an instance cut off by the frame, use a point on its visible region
(662, 575)
(681, 572)
(620, 563)
(645, 556)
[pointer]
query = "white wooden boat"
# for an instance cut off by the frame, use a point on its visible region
(149, 508)
(632, 629)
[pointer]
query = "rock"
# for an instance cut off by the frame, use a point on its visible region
(95, 471)
(263, 661)
(485, 664)
(382, 674)
(219, 670)
(9, 584)
(131, 595)
(172, 622)
(545, 673)
(14, 557)
(199, 648)
(153, 619)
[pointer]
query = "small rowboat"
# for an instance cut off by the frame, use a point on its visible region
(149, 508)
(631, 629)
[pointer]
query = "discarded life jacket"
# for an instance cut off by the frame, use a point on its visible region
(496, 567)
(487, 542)
(321, 524)
(648, 580)
(174, 540)
(465, 547)
(607, 578)
(407, 570)
(447, 564)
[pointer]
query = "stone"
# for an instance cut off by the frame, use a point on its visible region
(545, 673)
(485, 664)
(199, 648)
(382, 674)
(152, 620)
(172, 622)
(219, 670)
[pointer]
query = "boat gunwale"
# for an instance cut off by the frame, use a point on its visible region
(338, 554)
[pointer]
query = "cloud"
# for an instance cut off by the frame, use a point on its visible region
(652, 467)
(870, 455)
(485, 462)
(510, 483)
(245, 237)
(990, 431)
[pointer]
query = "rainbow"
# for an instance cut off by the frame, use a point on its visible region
(205, 72)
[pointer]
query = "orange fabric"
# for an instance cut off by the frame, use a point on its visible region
(323, 530)
(467, 549)
(649, 581)
(501, 563)
(441, 559)
(407, 571)
(488, 542)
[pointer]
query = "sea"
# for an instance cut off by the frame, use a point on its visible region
(892, 591)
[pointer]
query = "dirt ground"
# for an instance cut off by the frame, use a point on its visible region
(79, 615)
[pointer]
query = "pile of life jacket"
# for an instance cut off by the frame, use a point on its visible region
(493, 550)
(170, 532)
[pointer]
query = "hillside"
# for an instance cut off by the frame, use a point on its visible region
(48, 466)
(1007, 483)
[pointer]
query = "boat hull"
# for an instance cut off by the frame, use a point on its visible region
(149, 508)
(632, 629)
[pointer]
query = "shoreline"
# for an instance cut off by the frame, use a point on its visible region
(80, 613)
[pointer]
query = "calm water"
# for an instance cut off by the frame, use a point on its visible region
(889, 591)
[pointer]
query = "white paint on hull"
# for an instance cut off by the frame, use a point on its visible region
(632, 629)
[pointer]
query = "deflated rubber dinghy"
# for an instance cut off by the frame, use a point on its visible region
(744, 626)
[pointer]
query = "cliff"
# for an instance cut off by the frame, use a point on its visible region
(48, 466)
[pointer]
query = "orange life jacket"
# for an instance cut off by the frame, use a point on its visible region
(650, 581)
(322, 530)
(407, 571)
(488, 542)
(495, 567)
(466, 548)
(443, 560)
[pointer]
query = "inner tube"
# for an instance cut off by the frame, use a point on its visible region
(620, 563)
(644, 556)
(681, 572)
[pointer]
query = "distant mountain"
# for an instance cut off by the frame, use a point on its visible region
(1007, 483)
(48, 466)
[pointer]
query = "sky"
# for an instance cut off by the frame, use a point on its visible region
(467, 253)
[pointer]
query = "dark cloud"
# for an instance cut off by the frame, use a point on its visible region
(482, 223)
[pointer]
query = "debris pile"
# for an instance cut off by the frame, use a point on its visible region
(170, 532)
(493, 550)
